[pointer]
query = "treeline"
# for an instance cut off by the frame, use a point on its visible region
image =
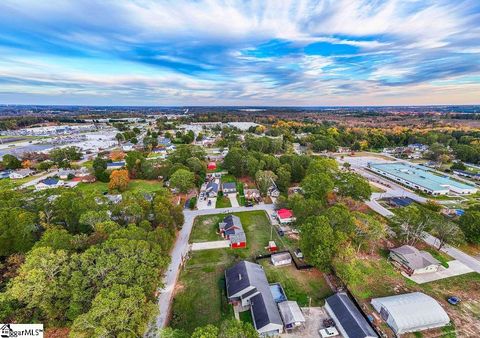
(74, 260)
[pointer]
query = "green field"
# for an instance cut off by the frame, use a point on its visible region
(223, 202)
(134, 185)
(299, 285)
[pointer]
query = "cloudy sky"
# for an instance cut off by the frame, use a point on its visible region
(213, 52)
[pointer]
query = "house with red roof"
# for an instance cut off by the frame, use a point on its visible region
(285, 216)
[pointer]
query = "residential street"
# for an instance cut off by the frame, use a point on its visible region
(179, 251)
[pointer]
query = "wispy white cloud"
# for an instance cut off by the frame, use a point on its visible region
(239, 52)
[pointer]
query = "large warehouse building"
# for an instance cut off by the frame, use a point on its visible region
(425, 180)
(411, 312)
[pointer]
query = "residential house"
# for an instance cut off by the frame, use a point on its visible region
(5, 174)
(280, 259)
(229, 188)
(285, 216)
(49, 183)
(211, 189)
(82, 172)
(248, 289)
(252, 194)
(413, 261)
(231, 228)
(273, 191)
(115, 165)
(21, 173)
(127, 146)
(64, 174)
(347, 317)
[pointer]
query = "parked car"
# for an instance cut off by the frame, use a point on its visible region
(453, 300)
(328, 332)
(298, 253)
(249, 204)
(209, 202)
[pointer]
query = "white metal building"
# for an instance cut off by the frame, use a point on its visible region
(411, 312)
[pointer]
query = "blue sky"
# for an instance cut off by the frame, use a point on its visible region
(206, 52)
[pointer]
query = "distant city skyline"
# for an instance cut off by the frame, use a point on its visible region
(245, 53)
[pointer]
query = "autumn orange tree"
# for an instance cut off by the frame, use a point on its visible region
(119, 180)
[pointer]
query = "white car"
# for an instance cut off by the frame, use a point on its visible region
(328, 332)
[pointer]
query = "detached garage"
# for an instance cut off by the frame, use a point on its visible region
(411, 312)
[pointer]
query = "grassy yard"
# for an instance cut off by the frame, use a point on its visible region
(134, 185)
(223, 202)
(376, 189)
(299, 285)
(200, 297)
(378, 278)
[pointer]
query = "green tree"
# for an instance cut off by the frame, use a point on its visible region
(284, 178)
(353, 185)
(470, 225)
(11, 162)
(411, 222)
(264, 179)
(17, 230)
(319, 242)
(237, 329)
(208, 331)
(183, 180)
(317, 186)
(119, 311)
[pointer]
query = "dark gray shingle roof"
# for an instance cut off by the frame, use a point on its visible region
(350, 316)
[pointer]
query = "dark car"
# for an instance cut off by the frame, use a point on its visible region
(453, 300)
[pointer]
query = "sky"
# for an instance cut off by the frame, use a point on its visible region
(266, 52)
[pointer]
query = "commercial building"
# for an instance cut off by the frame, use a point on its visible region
(421, 178)
(410, 312)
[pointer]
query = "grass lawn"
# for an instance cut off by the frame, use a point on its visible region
(134, 185)
(200, 297)
(246, 316)
(376, 189)
(298, 284)
(223, 202)
(378, 278)
(228, 178)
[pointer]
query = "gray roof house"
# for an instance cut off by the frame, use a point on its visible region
(347, 317)
(413, 261)
(229, 187)
(247, 286)
(212, 188)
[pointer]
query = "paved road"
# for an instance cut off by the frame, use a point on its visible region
(178, 253)
(38, 179)
(466, 259)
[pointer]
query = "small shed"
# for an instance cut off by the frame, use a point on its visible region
(212, 166)
(411, 312)
(291, 313)
(272, 246)
(238, 240)
(280, 259)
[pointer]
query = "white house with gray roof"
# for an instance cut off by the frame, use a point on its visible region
(413, 261)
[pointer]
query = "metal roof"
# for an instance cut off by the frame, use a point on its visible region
(411, 312)
(290, 312)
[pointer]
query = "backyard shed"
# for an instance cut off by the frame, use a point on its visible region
(411, 312)
(280, 259)
(291, 314)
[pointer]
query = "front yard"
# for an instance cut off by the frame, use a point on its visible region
(378, 278)
(133, 185)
